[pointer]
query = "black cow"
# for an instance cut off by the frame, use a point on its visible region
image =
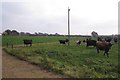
(104, 46)
(78, 42)
(115, 40)
(90, 43)
(108, 39)
(84, 41)
(99, 39)
(27, 42)
(63, 41)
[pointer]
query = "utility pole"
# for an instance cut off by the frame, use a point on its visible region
(68, 26)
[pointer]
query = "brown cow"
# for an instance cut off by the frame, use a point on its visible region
(103, 45)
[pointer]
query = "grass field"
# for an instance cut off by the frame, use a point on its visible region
(36, 39)
(73, 61)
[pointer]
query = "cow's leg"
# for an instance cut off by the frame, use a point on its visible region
(30, 45)
(106, 51)
(94, 45)
(97, 50)
(107, 54)
(64, 43)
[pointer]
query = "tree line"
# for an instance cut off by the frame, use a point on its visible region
(16, 33)
(9, 32)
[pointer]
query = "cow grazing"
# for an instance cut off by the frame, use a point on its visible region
(90, 43)
(63, 41)
(27, 42)
(104, 46)
(78, 42)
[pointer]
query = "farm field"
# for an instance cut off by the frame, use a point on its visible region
(15, 40)
(76, 61)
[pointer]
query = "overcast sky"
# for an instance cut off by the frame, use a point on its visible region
(50, 16)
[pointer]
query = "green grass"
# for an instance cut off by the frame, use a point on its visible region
(15, 40)
(74, 60)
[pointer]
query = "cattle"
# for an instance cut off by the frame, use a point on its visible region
(99, 39)
(63, 41)
(90, 43)
(78, 42)
(115, 40)
(84, 41)
(108, 39)
(27, 42)
(104, 46)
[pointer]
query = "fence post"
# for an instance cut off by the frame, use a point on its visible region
(12, 46)
(7, 44)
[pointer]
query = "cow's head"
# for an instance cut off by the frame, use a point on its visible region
(110, 45)
(67, 40)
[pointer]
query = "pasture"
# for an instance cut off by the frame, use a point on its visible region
(74, 61)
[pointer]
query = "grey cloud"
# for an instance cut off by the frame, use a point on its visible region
(16, 8)
(17, 16)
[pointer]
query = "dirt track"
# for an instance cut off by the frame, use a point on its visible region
(15, 68)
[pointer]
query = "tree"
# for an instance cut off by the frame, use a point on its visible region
(8, 32)
(94, 34)
(22, 33)
(14, 32)
(4, 33)
(36, 33)
(56, 34)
